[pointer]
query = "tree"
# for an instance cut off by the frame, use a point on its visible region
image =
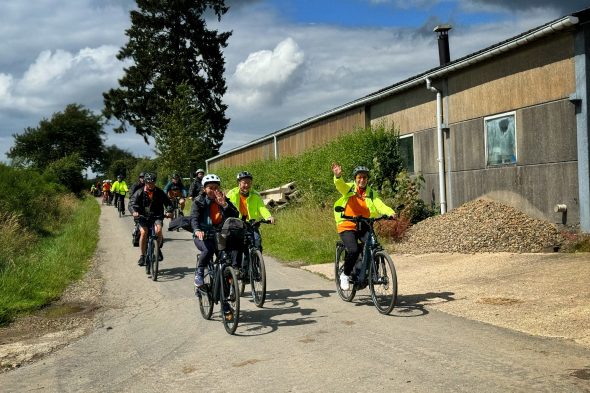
(183, 142)
(76, 130)
(169, 44)
(113, 154)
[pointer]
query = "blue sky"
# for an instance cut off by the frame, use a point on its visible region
(286, 61)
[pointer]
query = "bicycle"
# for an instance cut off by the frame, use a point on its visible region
(120, 204)
(253, 268)
(374, 268)
(220, 286)
(153, 249)
(105, 198)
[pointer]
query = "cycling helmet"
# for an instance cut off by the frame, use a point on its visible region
(360, 169)
(141, 174)
(211, 178)
(119, 176)
(150, 177)
(175, 175)
(244, 175)
(199, 171)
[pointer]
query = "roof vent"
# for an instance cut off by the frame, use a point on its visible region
(444, 54)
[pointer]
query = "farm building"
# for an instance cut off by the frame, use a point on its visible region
(509, 122)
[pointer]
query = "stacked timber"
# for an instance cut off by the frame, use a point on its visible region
(279, 196)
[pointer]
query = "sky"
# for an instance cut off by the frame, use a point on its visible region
(286, 61)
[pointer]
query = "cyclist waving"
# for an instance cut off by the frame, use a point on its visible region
(209, 211)
(358, 199)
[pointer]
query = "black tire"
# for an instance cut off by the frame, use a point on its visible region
(154, 257)
(348, 295)
(148, 260)
(230, 293)
(242, 280)
(257, 278)
(383, 283)
(205, 296)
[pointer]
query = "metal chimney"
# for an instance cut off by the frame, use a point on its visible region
(444, 54)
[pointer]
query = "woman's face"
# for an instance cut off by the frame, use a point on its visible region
(210, 190)
(361, 180)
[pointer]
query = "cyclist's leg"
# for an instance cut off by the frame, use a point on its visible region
(349, 239)
(257, 239)
(143, 235)
(160, 236)
(207, 249)
(181, 202)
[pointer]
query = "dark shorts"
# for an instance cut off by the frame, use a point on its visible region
(146, 222)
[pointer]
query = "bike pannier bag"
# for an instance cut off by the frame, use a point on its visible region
(231, 236)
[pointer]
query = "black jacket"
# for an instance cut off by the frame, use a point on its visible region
(199, 213)
(195, 188)
(139, 202)
(136, 187)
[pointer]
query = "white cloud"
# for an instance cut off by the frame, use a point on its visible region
(57, 78)
(263, 76)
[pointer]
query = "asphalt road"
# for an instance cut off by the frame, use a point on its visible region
(150, 337)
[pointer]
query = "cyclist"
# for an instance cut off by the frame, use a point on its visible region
(196, 186)
(250, 205)
(175, 188)
(358, 199)
(149, 203)
(140, 183)
(119, 189)
(106, 191)
(209, 211)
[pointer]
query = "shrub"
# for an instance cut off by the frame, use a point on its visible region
(67, 171)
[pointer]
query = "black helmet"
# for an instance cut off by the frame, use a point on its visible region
(141, 174)
(150, 177)
(244, 175)
(360, 169)
(119, 176)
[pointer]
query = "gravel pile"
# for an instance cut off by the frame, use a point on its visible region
(480, 226)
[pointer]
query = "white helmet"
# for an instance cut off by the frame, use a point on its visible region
(211, 178)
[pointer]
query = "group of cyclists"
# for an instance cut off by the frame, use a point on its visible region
(211, 207)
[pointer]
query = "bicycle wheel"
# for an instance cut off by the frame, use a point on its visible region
(347, 295)
(205, 296)
(257, 278)
(230, 313)
(383, 282)
(154, 258)
(148, 258)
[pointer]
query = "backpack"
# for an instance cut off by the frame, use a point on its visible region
(232, 234)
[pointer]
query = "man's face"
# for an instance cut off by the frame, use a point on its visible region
(245, 185)
(141, 179)
(175, 180)
(200, 175)
(151, 185)
(361, 180)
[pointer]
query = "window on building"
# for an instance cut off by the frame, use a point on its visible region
(500, 138)
(406, 143)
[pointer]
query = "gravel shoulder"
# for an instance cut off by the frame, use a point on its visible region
(539, 294)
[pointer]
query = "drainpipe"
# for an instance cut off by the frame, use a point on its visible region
(439, 134)
(276, 147)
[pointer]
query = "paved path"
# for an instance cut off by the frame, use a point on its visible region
(151, 338)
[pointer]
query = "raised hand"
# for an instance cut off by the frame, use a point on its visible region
(336, 169)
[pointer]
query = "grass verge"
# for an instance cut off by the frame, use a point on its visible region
(41, 274)
(303, 233)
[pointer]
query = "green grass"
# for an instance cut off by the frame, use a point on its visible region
(304, 233)
(41, 274)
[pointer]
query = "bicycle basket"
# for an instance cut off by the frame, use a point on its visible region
(231, 236)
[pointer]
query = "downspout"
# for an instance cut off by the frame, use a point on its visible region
(440, 159)
(276, 148)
